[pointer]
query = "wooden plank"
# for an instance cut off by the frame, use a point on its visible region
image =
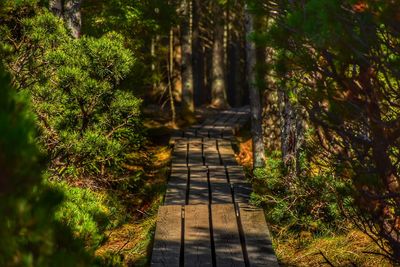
(220, 189)
(257, 238)
(197, 246)
(242, 192)
(195, 153)
(228, 250)
(211, 155)
(214, 133)
(190, 133)
(227, 132)
(167, 240)
(179, 155)
(202, 133)
(198, 189)
(236, 174)
(226, 152)
(177, 187)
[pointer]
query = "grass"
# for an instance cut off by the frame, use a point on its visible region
(351, 249)
(132, 241)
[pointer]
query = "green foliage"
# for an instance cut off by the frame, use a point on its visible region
(87, 123)
(297, 203)
(141, 23)
(338, 56)
(87, 214)
(132, 18)
(29, 234)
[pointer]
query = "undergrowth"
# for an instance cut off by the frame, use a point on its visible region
(116, 224)
(305, 217)
(297, 203)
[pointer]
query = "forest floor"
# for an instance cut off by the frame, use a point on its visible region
(132, 241)
(350, 248)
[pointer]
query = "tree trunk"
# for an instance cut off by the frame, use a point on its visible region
(198, 56)
(177, 66)
(292, 127)
(218, 87)
(72, 16)
(170, 64)
(187, 71)
(207, 36)
(56, 7)
(70, 12)
(255, 103)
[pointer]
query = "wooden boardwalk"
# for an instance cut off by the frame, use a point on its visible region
(206, 219)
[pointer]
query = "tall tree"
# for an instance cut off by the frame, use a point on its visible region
(198, 55)
(255, 101)
(235, 53)
(177, 64)
(218, 73)
(187, 66)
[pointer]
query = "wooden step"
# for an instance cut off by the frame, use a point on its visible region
(257, 239)
(228, 249)
(197, 240)
(167, 240)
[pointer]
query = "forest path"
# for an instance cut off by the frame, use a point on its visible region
(206, 219)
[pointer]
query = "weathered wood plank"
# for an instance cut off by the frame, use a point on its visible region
(211, 155)
(177, 187)
(198, 189)
(220, 189)
(195, 153)
(202, 133)
(190, 133)
(257, 238)
(227, 132)
(197, 246)
(236, 174)
(242, 192)
(214, 133)
(179, 155)
(228, 250)
(226, 152)
(167, 240)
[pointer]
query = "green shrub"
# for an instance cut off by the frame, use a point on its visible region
(87, 123)
(29, 235)
(88, 214)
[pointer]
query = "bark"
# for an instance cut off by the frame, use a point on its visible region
(232, 55)
(207, 38)
(56, 7)
(177, 66)
(271, 112)
(170, 73)
(187, 71)
(73, 17)
(291, 134)
(255, 103)
(198, 55)
(271, 119)
(218, 80)
(70, 12)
